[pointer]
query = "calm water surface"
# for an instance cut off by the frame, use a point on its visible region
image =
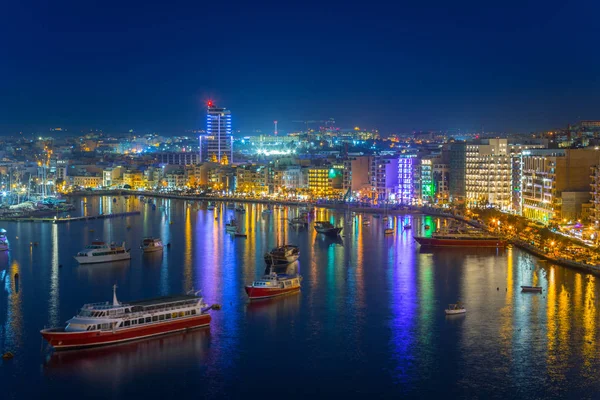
(369, 319)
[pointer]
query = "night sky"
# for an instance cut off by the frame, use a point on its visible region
(511, 66)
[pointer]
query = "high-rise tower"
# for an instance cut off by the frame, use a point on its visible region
(217, 144)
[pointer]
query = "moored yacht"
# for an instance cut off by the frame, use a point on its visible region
(273, 285)
(100, 252)
(99, 324)
(150, 245)
(282, 255)
(327, 228)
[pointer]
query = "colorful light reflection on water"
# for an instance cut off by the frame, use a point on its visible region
(369, 319)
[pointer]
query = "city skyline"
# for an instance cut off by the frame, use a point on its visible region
(396, 68)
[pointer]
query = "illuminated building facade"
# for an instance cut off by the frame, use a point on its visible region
(252, 179)
(217, 144)
(406, 184)
(488, 174)
(319, 181)
(556, 182)
(384, 178)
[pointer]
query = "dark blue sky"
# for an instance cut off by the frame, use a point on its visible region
(510, 66)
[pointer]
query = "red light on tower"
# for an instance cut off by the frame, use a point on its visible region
(210, 103)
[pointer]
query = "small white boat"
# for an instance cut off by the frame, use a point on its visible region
(455, 309)
(150, 245)
(3, 240)
(100, 252)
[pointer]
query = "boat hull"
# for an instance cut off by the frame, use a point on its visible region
(532, 289)
(152, 249)
(103, 259)
(455, 312)
(329, 231)
(61, 340)
(432, 242)
(256, 293)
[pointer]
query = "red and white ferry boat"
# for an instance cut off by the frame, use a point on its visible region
(99, 324)
(273, 285)
(461, 239)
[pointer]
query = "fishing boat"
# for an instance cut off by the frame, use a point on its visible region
(100, 252)
(282, 255)
(460, 239)
(533, 289)
(3, 240)
(240, 234)
(273, 285)
(455, 309)
(231, 226)
(327, 228)
(151, 245)
(99, 324)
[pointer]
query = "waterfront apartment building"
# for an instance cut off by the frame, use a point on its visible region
(488, 174)
(556, 182)
(295, 177)
(406, 178)
(319, 181)
(384, 178)
(595, 193)
(87, 181)
(133, 178)
(252, 179)
(217, 144)
(457, 188)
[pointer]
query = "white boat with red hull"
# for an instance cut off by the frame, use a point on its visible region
(273, 285)
(100, 324)
(460, 240)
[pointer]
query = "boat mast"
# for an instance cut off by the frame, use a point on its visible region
(115, 301)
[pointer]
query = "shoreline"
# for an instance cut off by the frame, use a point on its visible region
(593, 269)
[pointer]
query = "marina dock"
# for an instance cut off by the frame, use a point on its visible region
(63, 220)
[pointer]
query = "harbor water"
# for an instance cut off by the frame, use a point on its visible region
(369, 320)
